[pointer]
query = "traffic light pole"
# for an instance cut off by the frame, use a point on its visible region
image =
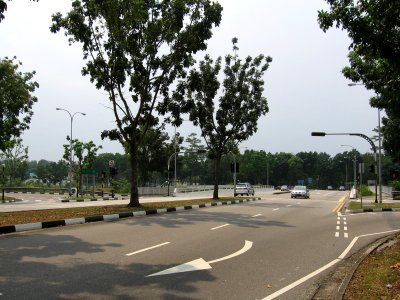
(373, 149)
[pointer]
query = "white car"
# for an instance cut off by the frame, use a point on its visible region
(244, 188)
(284, 188)
(300, 191)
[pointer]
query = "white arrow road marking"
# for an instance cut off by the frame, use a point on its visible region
(200, 263)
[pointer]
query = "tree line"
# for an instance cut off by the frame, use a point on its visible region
(195, 167)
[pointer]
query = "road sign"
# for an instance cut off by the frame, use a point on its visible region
(88, 171)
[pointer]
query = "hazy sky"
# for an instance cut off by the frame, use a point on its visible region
(304, 86)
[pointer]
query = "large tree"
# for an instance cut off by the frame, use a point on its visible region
(241, 102)
(374, 27)
(135, 50)
(16, 101)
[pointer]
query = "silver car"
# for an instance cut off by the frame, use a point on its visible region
(300, 191)
(244, 188)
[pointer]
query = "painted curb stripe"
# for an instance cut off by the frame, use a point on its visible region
(7, 229)
(371, 210)
(125, 215)
(113, 217)
(50, 224)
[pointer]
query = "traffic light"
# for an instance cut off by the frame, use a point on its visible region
(371, 168)
(113, 172)
(233, 167)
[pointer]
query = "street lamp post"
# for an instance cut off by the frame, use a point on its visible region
(2, 182)
(71, 116)
(379, 149)
(355, 134)
(355, 167)
(234, 173)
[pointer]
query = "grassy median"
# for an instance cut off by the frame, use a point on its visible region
(378, 275)
(353, 205)
(32, 216)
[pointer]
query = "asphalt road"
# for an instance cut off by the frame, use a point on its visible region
(274, 248)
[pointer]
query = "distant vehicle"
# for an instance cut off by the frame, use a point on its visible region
(244, 188)
(341, 188)
(284, 188)
(300, 191)
(330, 187)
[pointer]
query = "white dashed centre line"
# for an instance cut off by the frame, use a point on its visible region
(256, 215)
(275, 209)
(220, 226)
(146, 249)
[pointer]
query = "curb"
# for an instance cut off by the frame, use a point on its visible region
(364, 210)
(114, 217)
(93, 199)
(334, 285)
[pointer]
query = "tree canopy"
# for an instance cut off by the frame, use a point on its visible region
(241, 101)
(135, 49)
(374, 27)
(16, 101)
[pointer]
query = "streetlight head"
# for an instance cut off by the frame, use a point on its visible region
(318, 133)
(83, 114)
(57, 108)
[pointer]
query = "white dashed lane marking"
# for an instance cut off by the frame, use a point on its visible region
(337, 233)
(218, 227)
(256, 215)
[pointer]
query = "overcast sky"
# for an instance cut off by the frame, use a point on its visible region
(304, 86)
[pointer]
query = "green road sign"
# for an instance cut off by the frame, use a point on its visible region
(88, 171)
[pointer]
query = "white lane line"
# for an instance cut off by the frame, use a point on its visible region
(220, 226)
(336, 234)
(337, 227)
(338, 218)
(146, 249)
(301, 280)
(344, 219)
(345, 228)
(256, 215)
(333, 262)
(289, 205)
(275, 209)
(346, 235)
(344, 223)
(338, 222)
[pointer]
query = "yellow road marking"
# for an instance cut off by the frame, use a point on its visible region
(340, 204)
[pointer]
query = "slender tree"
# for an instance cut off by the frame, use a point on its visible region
(15, 158)
(85, 154)
(240, 105)
(16, 101)
(135, 50)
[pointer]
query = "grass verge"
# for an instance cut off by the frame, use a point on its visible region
(32, 216)
(353, 205)
(378, 275)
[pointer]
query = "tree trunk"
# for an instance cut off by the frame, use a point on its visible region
(217, 163)
(134, 200)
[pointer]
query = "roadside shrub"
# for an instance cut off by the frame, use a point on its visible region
(365, 191)
(396, 185)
